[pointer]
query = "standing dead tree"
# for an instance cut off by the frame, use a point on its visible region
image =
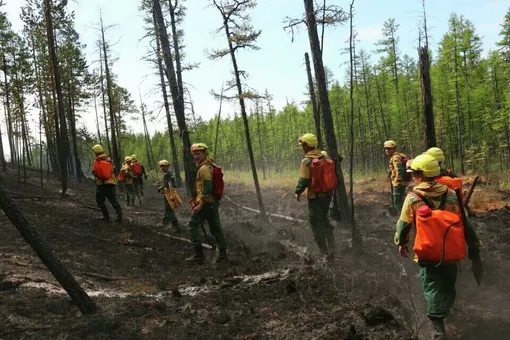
(46, 254)
(240, 35)
(313, 100)
(177, 97)
(426, 88)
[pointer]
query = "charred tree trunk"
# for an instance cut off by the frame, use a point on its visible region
(175, 161)
(72, 124)
(177, 50)
(311, 90)
(62, 143)
(97, 117)
(2, 155)
(103, 97)
(240, 93)
(178, 101)
(115, 146)
(341, 194)
(10, 136)
(426, 92)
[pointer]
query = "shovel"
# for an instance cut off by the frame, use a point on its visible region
(476, 263)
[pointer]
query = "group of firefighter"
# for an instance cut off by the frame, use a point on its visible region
(433, 206)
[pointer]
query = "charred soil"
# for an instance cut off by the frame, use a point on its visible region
(274, 287)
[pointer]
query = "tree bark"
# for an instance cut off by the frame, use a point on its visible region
(103, 96)
(10, 135)
(62, 142)
(426, 92)
(115, 145)
(178, 102)
(320, 76)
(311, 90)
(46, 254)
(177, 50)
(175, 161)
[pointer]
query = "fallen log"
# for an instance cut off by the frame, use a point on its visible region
(269, 214)
(46, 254)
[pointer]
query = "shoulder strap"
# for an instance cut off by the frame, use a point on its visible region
(443, 200)
(423, 199)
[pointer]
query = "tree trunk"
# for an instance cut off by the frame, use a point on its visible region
(311, 90)
(177, 50)
(320, 76)
(10, 135)
(103, 96)
(245, 123)
(79, 172)
(218, 121)
(261, 151)
(2, 155)
(459, 120)
(426, 92)
(385, 127)
(178, 102)
(115, 146)
(175, 161)
(97, 118)
(46, 255)
(62, 143)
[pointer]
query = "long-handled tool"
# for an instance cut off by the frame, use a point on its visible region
(470, 192)
(476, 263)
(193, 203)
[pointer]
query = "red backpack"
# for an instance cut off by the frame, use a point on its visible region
(103, 169)
(218, 183)
(323, 175)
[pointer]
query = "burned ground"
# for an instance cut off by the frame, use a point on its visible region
(275, 287)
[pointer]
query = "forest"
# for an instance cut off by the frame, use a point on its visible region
(453, 94)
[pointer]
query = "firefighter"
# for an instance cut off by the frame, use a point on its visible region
(318, 202)
(438, 154)
(126, 176)
(167, 189)
(106, 181)
(205, 206)
(138, 172)
(437, 278)
(397, 173)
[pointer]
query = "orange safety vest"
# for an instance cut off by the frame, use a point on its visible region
(439, 233)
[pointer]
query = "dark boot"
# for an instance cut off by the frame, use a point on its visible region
(176, 228)
(439, 332)
(118, 210)
(198, 258)
(106, 215)
(222, 256)
(128, 202)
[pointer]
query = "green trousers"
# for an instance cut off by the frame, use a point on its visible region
(169, 212)
(210, 213)
(438, 284)
(130, 194)
(399, 195)
(321, 228)
(104, 192)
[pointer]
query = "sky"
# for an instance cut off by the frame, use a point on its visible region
(279, 64)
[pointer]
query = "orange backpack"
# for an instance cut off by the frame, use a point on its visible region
(439, 233)
(136, 167)
(103, 169)
(451, 182)
(323, 175)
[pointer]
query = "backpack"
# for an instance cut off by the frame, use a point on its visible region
(136, 167)
(218, 183)
(439, 233)
(407, 175)
(323, 175)
(104, 169)
(451, 182)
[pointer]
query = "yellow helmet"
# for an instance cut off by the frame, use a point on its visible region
(426, 164)
(437, 153)
(163, 162)
(133, 157)
(97, 148)
(390, 144)
(199, 147)
(127, 159)
(324, 153)
(308, 139)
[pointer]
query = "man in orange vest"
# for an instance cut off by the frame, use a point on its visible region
(318, 202)
(138, 172)
(126, 176)
(397, 172)
(438, 279)
(106, 181)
